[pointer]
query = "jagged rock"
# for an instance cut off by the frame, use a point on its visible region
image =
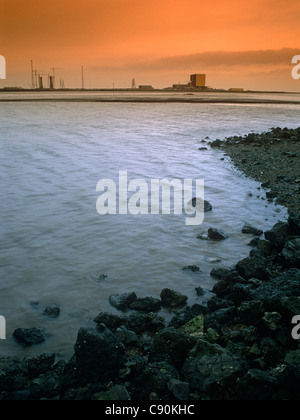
(99, 355)
(257, 385)
(122, 301)
(199, 202)
(209, 364)
(30, 336)
(252, 268)
(52, 311)
(271, 321)
(278, 234)
(180, 390)
(251, 230)
(110, 320)
(291, 252)
(172, 346)
(194, 327)
(147, 304)
(216, 234)
(192, 268)
(116, 393)
(251, 312)
(172, 299)
(156, 377)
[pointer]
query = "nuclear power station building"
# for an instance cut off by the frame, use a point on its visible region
(198, 81)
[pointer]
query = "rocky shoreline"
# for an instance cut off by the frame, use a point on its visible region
(238, 347)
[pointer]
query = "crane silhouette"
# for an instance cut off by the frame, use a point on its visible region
(53, 74)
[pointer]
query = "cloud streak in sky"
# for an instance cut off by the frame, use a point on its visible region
(209, 60)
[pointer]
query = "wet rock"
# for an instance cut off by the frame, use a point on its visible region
(137, 322)
(216, 234)
(251, 230)
(156, 377)
(192, 268)
(290, 306)
(252, 268)
(99, 355)
(52, 311)
(216, 144)
(155, 322)
(127, 337)
(291, 252)
(172, 299)
(172, 346)
(200, 292)
(286, 285)
(251, 312)
(36, 366)
(180, 390)
(122, 302)
(48, 385)
(265, 247)
(288, 377)
(271, 321)
(220, 273)
(194, 327)
(294, 223)
(147, 304)
(210, 365)
(116, 393)
(199, 202)
(220, 316)
(278, 234)
(110, 320)
(30, 336)
(257, 385)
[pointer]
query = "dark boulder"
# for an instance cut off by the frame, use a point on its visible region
(99, 355)
(192, 268)
(52, 311)
(122, 301)
(172, 299)
(251, 230)
(147, 304)
(156, 378)
(278, 234)
(180, 390)
(172, 346)
(30, 336)
(252, 268)
(251, 312)
(257, 385)
(199, 202)
(110, 320)
(116, 393)
(209, 365)
(216, 234)
(291, 252)
(286, 285)
(220, 273)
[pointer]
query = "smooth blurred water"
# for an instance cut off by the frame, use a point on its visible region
(54, 245)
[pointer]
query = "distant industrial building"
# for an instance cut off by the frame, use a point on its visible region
(146, 87)
(198, 81)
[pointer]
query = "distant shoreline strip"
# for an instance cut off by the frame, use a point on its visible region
(158, 100)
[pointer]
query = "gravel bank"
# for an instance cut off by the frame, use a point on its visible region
(272, 158)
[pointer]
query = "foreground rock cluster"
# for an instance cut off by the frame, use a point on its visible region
(238, 347)
(272, 158)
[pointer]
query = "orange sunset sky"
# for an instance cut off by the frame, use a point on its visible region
(237, 43)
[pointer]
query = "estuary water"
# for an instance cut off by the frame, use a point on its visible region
(54, 246)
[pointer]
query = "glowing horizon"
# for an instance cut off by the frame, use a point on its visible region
(236, 43)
